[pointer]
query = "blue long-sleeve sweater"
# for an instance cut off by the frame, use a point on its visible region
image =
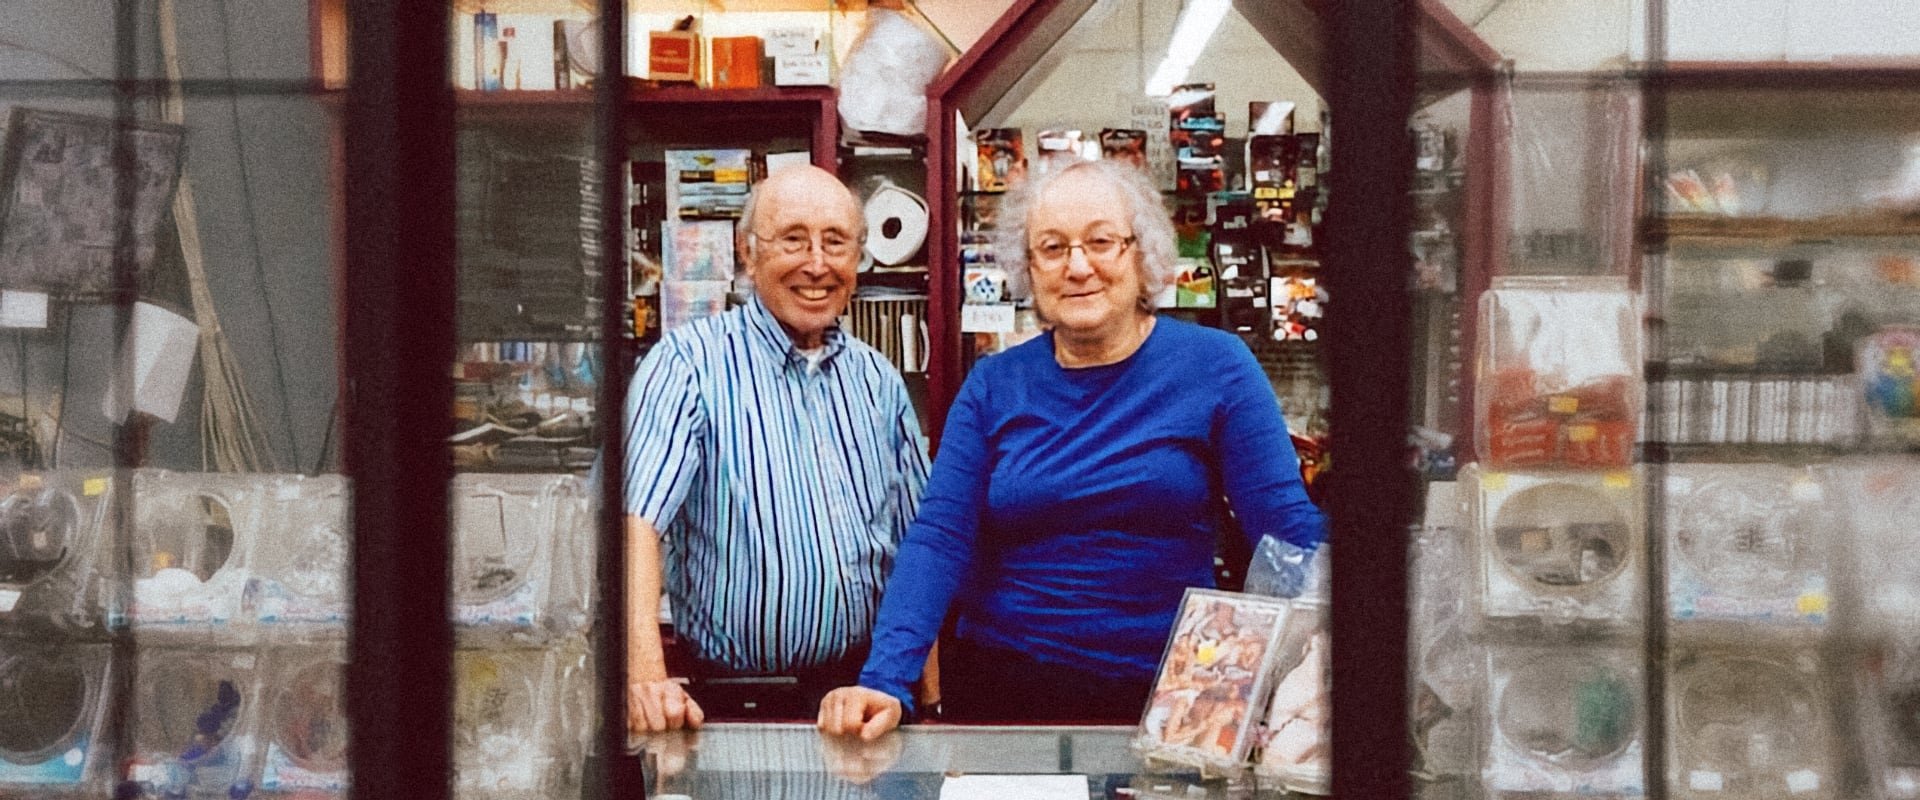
(1069, 509)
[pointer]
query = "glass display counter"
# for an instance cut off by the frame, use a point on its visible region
(920, 762)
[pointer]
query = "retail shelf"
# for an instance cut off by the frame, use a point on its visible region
(1747, 229)
(1741, 452)
(1662, 370)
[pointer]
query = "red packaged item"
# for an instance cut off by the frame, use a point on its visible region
(1559, 373)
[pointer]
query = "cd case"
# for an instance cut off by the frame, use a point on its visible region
(1213, 679)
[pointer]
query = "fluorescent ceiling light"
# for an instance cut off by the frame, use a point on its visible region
(1197, 24)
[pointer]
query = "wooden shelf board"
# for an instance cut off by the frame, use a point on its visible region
(1710, 226)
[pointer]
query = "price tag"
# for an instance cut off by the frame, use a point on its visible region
(23, 309)
(1811, 603)
(94, 487)
(1803, 781)
(1701, 780)
(1618, 479)
(1493, 481)
(995, 318)
(8, 599)
(1563, 404)
(1807, 490)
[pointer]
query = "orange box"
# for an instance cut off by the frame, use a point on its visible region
(673, 55)
(736, 62)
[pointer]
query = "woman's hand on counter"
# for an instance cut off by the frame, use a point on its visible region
(852, 710)
(661, 705)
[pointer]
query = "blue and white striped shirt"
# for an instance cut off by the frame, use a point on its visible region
(781, 491)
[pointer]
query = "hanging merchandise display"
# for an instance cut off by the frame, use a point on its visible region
(1564, 720)
(1748, 725)
(1558, 547)
(297, 591)
(193, 537)
(304, 720)
(1744, 542)
(53, 552)
(1558, 373)
(53, 702)
(195, 717)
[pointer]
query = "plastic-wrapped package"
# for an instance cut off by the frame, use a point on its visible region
(1558, 547)
(1744, 542)
(1889, 715)
(54, 570)
(53, 700)
(1282, 569)
(1213, 680)
(1297, 748)
(304, 720)
(193, 536)
(195, 715)
(1558, 373)
(297, 590)
(1748, 725)
(1881, 498)
(883, 85)
(1447, 664)
(1889, 366)
(515, 541)
(1564, 721)
(517, 723)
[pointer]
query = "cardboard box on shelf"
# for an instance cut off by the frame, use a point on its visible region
(673, 55)
(736, 62)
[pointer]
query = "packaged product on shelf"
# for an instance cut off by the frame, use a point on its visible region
(1447, 665)
(1001, 158)
(1880, 499)
(697, 251)
(1744, 542)
(1748, 724)
(1059, 149)
(1124, 144)
(517, 574)
(1889, 717)
(1297, 748)
(707, 184)
(304, 720)
(55, 560)
(52, 738)
(1213, 679)
(195, 716)
(1299, 304)
(1557, 547)
(1564, 720)
(1269, 118)
(1889, 374)
(297, 590)
(517, 721)
(1558, 368)
(736, 62)
(674, 55)
(1194, 285)
(686, 301)
(193, 536)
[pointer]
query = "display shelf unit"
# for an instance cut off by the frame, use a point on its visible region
(1769, 229)
(1021, 38)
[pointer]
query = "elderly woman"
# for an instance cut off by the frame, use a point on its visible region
(1083, 480)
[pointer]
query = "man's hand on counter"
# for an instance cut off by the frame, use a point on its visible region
(661, 705)
(852, 710)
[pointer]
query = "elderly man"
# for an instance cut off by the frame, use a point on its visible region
(779, 461)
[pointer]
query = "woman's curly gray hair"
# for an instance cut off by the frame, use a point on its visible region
(1152, 226)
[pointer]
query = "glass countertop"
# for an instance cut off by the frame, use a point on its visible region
(787, 761)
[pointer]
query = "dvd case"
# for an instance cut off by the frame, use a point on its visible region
(1213, 679)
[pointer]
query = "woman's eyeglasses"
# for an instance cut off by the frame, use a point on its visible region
(1098, 248)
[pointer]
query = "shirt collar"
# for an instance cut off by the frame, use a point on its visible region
(763, 325)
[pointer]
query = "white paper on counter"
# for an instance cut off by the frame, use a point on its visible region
(1015, 787)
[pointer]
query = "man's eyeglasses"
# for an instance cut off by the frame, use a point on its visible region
(832, 244)
(1099, 248)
